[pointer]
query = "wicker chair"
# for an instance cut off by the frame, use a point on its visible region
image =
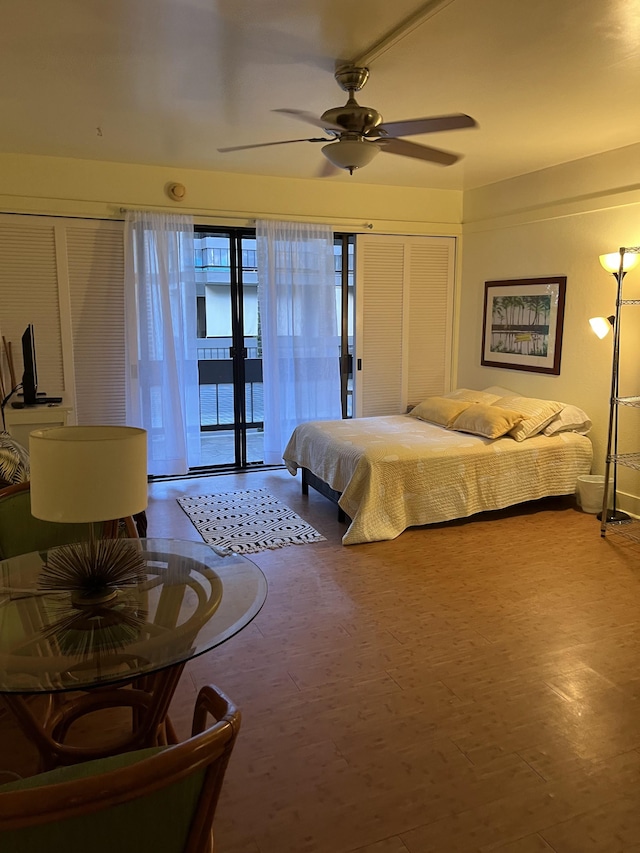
(157, 800)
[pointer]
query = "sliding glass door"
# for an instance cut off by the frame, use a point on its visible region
(229, 345)
(229, 360)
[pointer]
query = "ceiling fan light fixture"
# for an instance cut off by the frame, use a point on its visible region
(350, 154)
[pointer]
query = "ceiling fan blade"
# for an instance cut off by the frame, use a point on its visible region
(419, 152)
(412, 126)
(309, 118)
(266, 144)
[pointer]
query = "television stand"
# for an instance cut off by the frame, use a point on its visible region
(20, 422)
(39, 401)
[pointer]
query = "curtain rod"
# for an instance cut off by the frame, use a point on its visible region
(251, 219)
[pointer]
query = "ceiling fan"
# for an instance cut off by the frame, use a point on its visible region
(356, 134)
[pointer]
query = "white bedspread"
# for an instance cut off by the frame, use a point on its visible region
(396, 471)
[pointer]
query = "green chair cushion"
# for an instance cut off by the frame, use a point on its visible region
(80, 771)
(157, 823)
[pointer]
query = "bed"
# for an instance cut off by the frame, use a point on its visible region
(393, 472)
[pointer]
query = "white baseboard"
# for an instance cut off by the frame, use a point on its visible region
(629, 503)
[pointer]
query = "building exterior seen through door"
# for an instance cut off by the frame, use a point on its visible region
(229, 360)
(229, 345)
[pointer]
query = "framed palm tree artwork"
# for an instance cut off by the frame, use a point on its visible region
(522, 324)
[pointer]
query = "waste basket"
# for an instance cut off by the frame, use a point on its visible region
(590, 492)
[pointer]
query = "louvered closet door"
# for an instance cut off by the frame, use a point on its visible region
(29, 294)
(379, 325)
(404, 319)
(430, 285)
(95, 253)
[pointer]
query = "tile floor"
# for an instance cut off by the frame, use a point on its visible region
(468, 687)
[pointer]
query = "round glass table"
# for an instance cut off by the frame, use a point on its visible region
(128, 651)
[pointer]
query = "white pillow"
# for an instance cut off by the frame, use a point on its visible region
(570, 419)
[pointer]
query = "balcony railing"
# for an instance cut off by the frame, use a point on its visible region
(215, 378)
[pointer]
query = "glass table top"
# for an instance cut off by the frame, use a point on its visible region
(191, 599)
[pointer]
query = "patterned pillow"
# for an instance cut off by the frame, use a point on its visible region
(472, 396)
(14, 461)
(536, 414)
(499, 391)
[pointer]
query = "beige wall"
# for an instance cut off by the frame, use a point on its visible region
(58, 186)
(557, 222)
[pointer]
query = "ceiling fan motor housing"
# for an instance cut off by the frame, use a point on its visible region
(352, 118)
(351, 78)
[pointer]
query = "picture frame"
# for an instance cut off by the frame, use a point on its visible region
(522, 324)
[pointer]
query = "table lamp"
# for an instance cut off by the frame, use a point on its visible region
(89, 474)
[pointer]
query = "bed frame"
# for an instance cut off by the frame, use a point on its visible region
(309, 479)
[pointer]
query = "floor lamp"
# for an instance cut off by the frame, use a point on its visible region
(618, 264)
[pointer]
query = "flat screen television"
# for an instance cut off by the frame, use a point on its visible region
(30, 375)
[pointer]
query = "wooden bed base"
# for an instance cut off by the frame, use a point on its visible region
(309, 479)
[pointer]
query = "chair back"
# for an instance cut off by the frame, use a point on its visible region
(21, 533)
(161, 799)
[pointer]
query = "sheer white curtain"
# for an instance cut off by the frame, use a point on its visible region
(299, 329)
(160, 319)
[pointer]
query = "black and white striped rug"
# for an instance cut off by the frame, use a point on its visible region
(248, 521)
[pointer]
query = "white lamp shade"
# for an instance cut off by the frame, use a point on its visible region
(600, 326)
(350, 153)
(88, 473)
(611, 261)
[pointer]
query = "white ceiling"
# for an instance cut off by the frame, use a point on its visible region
(167, 82)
